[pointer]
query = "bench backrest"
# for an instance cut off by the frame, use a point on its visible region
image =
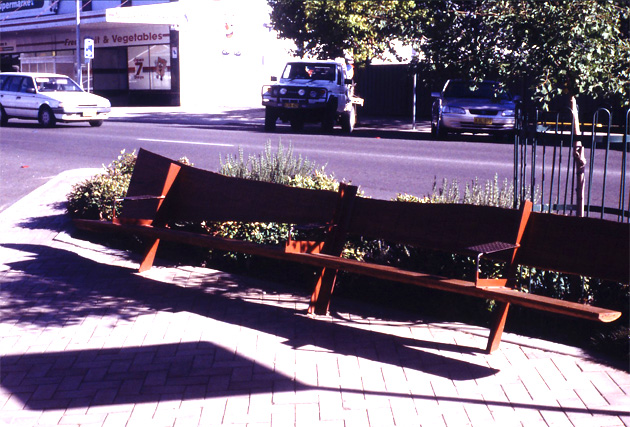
(449, 227)
(587, 246)
(192, 194)
(590, 247)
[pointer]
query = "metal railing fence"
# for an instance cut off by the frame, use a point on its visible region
(546, 171)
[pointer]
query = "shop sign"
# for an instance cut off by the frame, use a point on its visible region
(124, 37)
(165, 13)
(12, 9)
(7, 46)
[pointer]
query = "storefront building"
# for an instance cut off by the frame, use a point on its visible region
(147, 52)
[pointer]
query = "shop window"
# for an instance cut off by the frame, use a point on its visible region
(109, 67)
(149, 67)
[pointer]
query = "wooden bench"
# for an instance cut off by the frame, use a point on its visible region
(163, 192)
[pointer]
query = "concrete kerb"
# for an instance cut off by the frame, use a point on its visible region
(240, 351)
(245, 115)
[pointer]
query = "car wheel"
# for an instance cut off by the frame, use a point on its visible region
(270, 120)
(349, 120)
(4, 119)
(46, 117)
(439, 132)
(96, 123)
(297, 124)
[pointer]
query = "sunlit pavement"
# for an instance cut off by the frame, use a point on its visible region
(86, 340)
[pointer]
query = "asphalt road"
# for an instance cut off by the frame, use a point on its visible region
(382, 160)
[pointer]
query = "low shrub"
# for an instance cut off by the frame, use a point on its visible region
(94, 197)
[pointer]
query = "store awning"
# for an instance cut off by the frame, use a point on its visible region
(157, 14)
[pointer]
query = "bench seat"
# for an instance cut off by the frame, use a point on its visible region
(162, 191)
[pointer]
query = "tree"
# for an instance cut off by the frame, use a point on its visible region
(559, 46)
(327, 29)
(570, 47)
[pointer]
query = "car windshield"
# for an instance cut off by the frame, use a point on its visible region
(301, 70)
(484, 90)
(56, 84)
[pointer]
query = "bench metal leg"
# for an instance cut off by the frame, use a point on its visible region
(320, 299)
(498, 325)
(149, 256)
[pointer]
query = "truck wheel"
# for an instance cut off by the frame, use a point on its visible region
(46, 117)
(297, 124)
(270, 120)
(328, 122)
(349, 119)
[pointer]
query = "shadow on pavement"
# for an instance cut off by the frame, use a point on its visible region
(78, 288)
(189, 370)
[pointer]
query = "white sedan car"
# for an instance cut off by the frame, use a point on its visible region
(49, 98)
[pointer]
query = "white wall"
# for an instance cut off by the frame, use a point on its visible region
(226, 67)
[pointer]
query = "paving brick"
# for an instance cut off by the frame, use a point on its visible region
(151, 350)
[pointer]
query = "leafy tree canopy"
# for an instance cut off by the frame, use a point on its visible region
(558, 46)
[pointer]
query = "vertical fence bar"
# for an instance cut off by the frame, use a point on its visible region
(624, 156)
(532, 186)
(543, 131)
(591, 165)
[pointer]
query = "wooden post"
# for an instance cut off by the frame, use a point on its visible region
(500, 316)
(497, 326)
(320, 298)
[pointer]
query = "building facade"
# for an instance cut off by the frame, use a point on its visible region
(147, 52)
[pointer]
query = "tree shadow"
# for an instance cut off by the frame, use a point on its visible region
(153, 373)
(60, 288)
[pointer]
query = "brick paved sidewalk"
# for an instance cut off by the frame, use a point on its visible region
(86, 341)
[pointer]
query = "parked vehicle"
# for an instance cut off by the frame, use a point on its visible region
(49, 98)
(463, 106)
(312, 91)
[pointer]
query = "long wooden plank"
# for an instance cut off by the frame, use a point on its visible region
(587, 246)
(379, 271)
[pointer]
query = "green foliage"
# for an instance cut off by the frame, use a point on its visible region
(488, 194)
(279, 167)
(94, 197)
(331, 29)
(573, 47)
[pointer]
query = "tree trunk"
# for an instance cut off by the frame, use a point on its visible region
(579, 158)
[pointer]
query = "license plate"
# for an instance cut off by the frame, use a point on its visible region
(291, 105)
(89, 114)
(483, 121)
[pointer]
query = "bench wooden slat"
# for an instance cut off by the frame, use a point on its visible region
(587, 246)
(374, 270)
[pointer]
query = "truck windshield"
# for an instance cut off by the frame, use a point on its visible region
(308, 71)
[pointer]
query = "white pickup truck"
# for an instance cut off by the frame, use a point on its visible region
(312, 91)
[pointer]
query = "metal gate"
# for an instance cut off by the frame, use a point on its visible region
(545, 169)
